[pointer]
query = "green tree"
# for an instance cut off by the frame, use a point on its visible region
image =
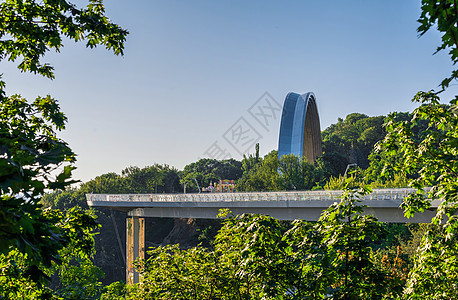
(29, 29)
(170, 180)
(207, 170)
(432, 158)
(442, 14)
(174, 273)
(75, 277)
(78, 277)
(347, 236)
(380, 171)
(30, 150)
(296, 173)
(142, 181)
(436, 153)
(289, 172)
(350, 141)
(253, 257)
(260, 174)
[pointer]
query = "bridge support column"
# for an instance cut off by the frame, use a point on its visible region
(135, 246)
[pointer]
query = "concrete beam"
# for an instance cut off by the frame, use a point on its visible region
(384, 210)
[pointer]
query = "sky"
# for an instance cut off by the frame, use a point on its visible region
(208, 78)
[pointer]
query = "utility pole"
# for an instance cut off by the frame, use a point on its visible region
(198, 187)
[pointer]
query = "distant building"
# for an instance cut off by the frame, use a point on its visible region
(300, 132)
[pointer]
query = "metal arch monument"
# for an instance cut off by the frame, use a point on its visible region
(300, 132)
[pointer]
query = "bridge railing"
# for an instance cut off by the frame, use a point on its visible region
(377, 194)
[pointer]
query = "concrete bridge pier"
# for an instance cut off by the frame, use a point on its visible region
(135, 245)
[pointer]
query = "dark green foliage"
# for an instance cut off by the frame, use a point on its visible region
(286, 173)
(333, 164)
(29, 148)
(296, 173)
(260, 174)
(432, 159)
(443, 14)
(351, 140)
(105, 183)
(170, 181)
(30, 151)
(151, 179)
(29, 29)
(22, 278)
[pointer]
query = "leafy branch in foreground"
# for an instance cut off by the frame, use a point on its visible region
(433, 161)
(74, 275)
(444, 14)
(30, 152)
(29, 29)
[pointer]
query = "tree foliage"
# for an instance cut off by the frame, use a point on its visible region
(74, 274)
(289, 172)
(29, 29)
(29, 148)
(260, 174)
(30, 152)
(207, 170)
(431, 158)
(351, 140)
(442, 14)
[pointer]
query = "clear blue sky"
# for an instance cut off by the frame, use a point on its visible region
(192, 68)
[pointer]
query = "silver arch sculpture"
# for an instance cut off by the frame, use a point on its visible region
(300, 132)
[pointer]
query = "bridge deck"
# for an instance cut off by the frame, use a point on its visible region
(308, 205)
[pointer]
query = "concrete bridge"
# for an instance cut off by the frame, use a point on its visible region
(306, 205)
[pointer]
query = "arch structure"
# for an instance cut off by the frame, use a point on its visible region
(300, 132)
